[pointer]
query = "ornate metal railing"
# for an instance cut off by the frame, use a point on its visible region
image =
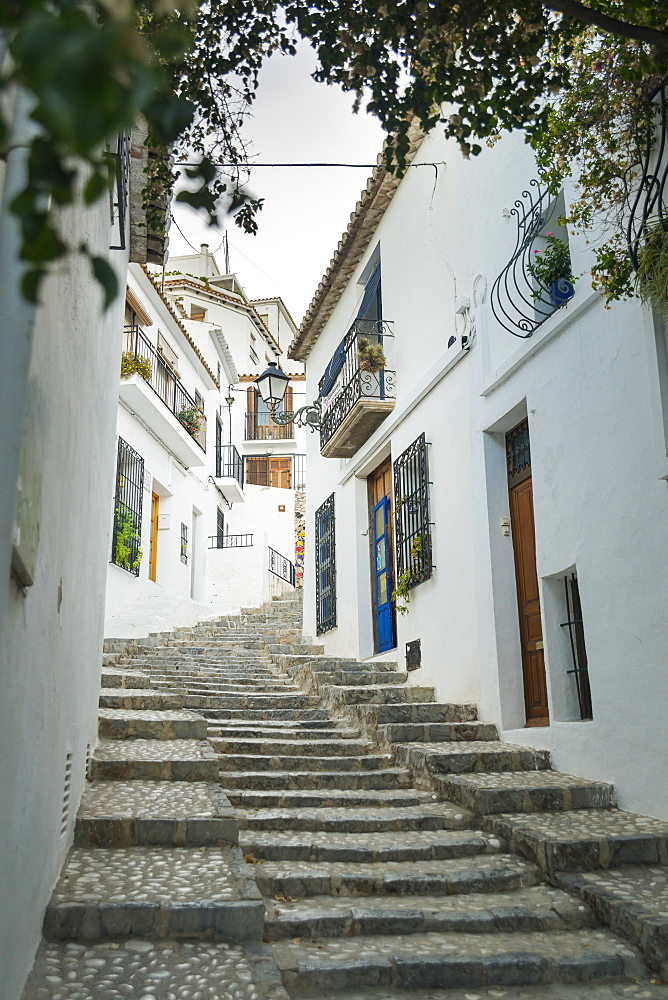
(229, 463)
(411, 519)
(230, 541)
(260, 427)
(281, 566)
(325, 567)
(649, 206)
(519, 301)
(350, 375)
(167, 386)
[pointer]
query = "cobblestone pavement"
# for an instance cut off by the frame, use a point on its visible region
(359, 827)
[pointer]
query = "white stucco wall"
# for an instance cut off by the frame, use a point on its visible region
(590, 381)
(51, 642)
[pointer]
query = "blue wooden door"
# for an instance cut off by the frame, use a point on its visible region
(383, 588)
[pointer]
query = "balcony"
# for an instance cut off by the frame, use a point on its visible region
(260, 427)
(357, 394)
(158, 397)
(230, 473)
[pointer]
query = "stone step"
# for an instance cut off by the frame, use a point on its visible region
(123, 724)
(355, 678)
(269, 714)
(164, 813)
(500, 873)
(311, 762)
(139, 698)
(272, 703)
(537, 908)
(451, 960)
(342, 819)
(139, 968)
(134, 892)
(372, 716)
(437, 732)
(460, 757)
(276, 730)
(353, 848)
(125, 679)
(528, 791)
(584, 839)
(389, 777)
(641, 988)
(154, 760)
(633, 901)
(258, 798)
(376, 694)
(286, 748)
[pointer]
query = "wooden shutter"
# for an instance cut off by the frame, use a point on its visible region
(280, 472)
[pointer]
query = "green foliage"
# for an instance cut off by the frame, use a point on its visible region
(191, 417)
(125, 539)
(190, 68)
(132, 364)
(401, 595)
(551, 263)
(371, 357)
(652, 276)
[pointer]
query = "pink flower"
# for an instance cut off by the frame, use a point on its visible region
(550, 234)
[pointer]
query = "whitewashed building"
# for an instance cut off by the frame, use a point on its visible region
(202, 509)
(499, 458)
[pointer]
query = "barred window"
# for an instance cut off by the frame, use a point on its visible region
(126, 538)
(184, 542)
(411, 518)
(325, 567)
(220, 528)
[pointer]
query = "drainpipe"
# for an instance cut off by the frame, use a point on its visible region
(17, 323)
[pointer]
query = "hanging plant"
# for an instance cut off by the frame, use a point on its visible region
(652, 274)
(191, 417)
(134, 364)
(371, 357)
(401, 596)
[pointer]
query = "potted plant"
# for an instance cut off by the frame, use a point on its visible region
(551, 267)
(371, 357)
(134, 364)
(652, 274)
(191, 418)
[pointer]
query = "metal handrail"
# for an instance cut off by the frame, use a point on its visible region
(166, 385)
(281, 566)
(231, 541)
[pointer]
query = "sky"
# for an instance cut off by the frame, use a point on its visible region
(306, 210)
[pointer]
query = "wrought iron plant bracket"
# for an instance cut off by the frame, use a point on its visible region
(648, 207)
(306, 416)
(519, 301)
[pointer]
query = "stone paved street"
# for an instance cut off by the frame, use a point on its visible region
(266, 823)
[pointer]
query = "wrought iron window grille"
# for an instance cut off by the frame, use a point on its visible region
(121, 159)
(518, 452)
(521, 303)
(219, 541)
(352, 374)
(325, 567)
(648, 207)
(411, 514)
(126, 535)
(184, 543)
(281, 566)
(299, 471)
(575, 627)
(220, 528)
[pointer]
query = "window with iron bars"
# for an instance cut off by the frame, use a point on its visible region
(220, 528)
(411, 517)
(126, 538)
(184, 543)
(325, 567)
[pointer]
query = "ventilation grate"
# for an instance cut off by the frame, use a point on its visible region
(67, 791)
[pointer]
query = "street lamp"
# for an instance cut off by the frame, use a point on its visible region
(271, 385)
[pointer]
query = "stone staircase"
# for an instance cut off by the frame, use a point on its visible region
(401, 848)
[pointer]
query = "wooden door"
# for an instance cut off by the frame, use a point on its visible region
(153, 554)
(520, 489)
(280, 472)
(382, 556)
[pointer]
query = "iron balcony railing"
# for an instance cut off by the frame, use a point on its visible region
(354, 374)
(260, 427)
(220, 541)
(281, 566)
(167, 386)
(229, 463)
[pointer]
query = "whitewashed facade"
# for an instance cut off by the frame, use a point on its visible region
(201, 520)
(591, 384)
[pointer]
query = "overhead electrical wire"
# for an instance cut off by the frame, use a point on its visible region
(250, 166)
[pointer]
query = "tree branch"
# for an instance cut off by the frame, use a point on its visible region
(610, 25)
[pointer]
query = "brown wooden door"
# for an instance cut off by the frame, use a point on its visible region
(379, 485)
(528, 594)
(153, 554)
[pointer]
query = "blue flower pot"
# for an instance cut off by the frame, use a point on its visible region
(560, 291)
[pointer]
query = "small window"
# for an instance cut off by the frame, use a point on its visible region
(197, 311)
(126, 537)
(325, 567)
(184, 543)
(253, 349)
(199, 401)
(168, 354)
(412, 525)
(220, 528)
